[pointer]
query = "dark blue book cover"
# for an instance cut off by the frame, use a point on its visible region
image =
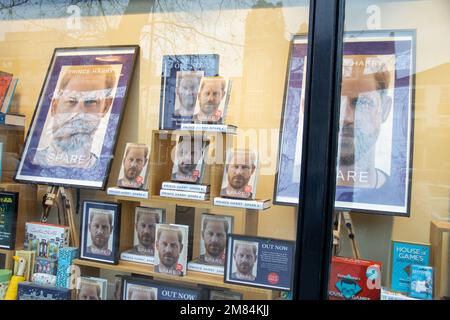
(32, 291)
(260, 262)
(138, 288)
(178, 96)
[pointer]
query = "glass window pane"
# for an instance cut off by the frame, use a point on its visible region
(392, 193)
(124, 134)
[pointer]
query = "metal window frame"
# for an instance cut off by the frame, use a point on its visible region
(318, 178)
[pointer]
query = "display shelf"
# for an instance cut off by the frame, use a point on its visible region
(192, 277)
(9, 263)
(437, 230)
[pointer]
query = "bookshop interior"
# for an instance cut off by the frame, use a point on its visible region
(186, 170)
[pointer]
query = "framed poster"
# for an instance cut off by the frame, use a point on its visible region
(287, 179)
(375, 126)
(180, 83)
(100, 231)
(73, 133)
(259, 262)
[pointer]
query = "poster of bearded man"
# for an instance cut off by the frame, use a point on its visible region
(75, 126)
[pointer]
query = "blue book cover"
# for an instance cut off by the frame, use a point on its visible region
(421, 282)
(32, 291)
(180, 80)
(402, 257)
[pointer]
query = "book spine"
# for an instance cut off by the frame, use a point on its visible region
(185, 187)
(183, 194)
(240, 203)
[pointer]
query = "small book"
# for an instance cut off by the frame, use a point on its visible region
(171, 249)
(421, 282)
(189, 162)
(9, 95)
(5, 81)
(12, 119)
(240, 175)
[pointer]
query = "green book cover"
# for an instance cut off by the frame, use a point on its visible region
(8, 219)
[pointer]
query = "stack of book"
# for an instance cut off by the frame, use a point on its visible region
(8, 86)
(11, 129)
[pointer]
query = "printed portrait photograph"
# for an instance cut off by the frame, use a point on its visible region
(243, 260)
(189, 159)
(213, 240)
(145, 221)
(239, 178)
(74, 130)
(375, 135)
(373, 170)
(89, 288)
(187, 85)
(100, 231)
(171, 249)
(212, 100)
(140, 292)
(133, 171)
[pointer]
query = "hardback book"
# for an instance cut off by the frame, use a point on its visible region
(145, 220)
(189, 162)
(213, 241)
(9, 95)
(133, 171)
(184, 195)
(224, 295)
(212, 101)
(260, 204)
(354, 279)
(421, 282)
(45, 239)
(12, 119)
(92, 288)
(390, 295)
(8, 219)
(240, 175)
(403, 255)
(5, 81)
(171, 249)
(180, 83)
(32, 291)
(200, 188)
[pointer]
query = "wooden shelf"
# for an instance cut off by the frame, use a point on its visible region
(9, 264)
(192, 277)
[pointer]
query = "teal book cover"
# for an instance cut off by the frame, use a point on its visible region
(404, 255)
(421, 282)
(8, 219)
